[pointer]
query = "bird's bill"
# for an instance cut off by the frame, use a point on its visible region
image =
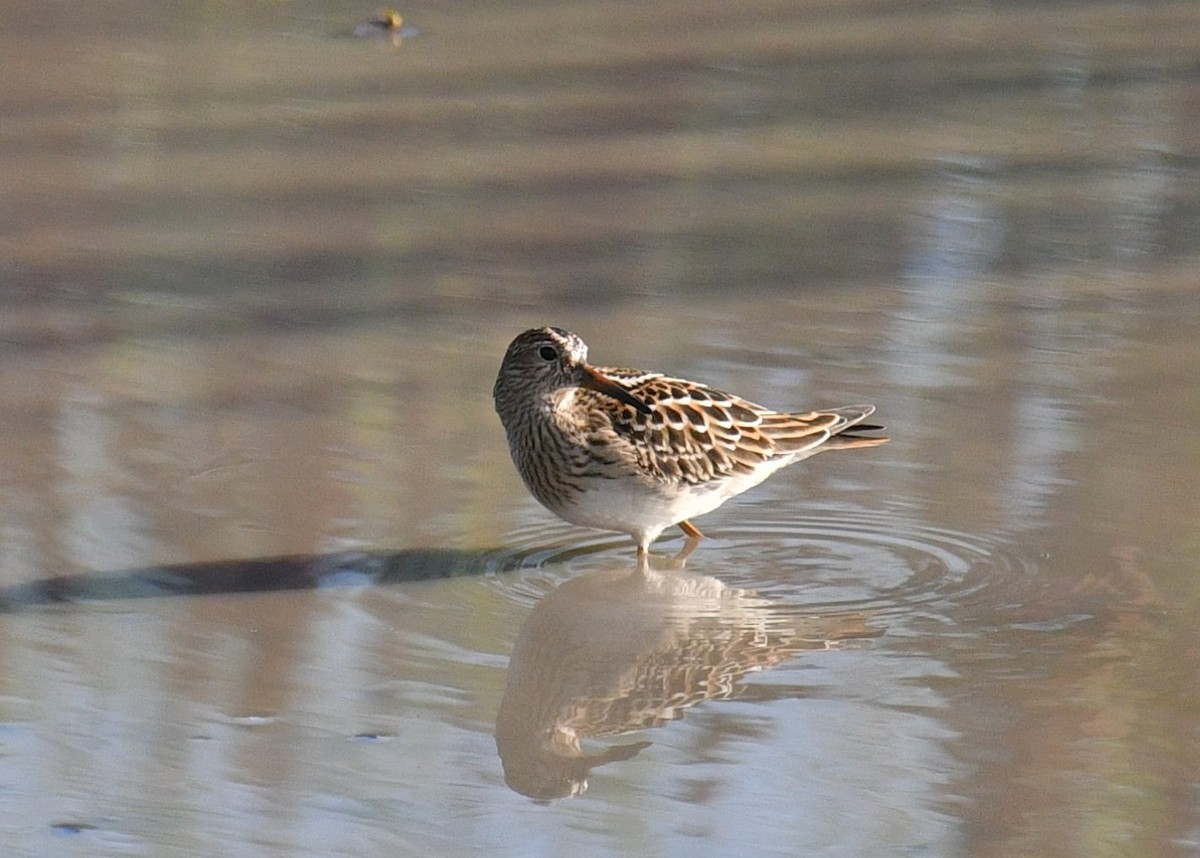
(595, 380)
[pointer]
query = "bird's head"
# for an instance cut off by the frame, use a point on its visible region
(543, 361)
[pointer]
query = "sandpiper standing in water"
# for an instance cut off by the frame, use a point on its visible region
(634, 451)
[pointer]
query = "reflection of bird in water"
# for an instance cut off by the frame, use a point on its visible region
(635, 451)
(621, 650)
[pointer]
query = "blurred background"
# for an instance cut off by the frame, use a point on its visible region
(269, 584)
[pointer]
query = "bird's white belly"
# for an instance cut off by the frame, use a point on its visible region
(627, 506)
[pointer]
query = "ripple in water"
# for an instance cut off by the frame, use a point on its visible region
(541, 556)
(834, 558)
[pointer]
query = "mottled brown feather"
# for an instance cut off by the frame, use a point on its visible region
(634, 451)
(695, 433)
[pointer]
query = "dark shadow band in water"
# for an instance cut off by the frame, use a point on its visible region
(256, 575)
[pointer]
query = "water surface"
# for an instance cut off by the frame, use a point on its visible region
(269, 584)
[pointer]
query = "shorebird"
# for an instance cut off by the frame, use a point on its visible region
(636, 452)
(388, 24)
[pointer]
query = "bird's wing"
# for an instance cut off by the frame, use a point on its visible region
(695, 433)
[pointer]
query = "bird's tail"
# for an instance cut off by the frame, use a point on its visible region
(850, 418)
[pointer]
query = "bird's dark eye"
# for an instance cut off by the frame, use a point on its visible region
(548, 353)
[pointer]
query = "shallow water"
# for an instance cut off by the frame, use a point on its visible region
(269, 583)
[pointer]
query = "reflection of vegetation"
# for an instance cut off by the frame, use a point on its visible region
(570, 145)
(1099, 705)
